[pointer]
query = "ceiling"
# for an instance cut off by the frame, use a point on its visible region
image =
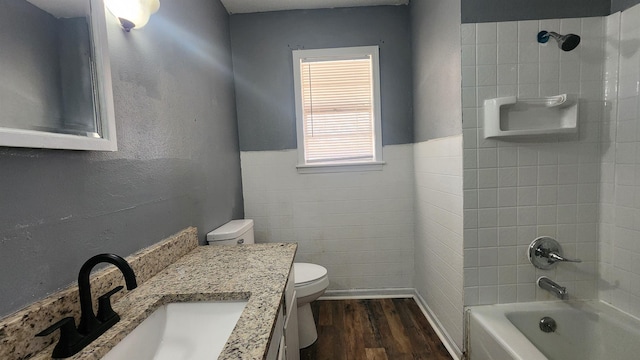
(72, 8)
(63, 8)
(252, 6)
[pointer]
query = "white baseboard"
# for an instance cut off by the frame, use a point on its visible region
(448, 342)
(444, 336)
(368, 294)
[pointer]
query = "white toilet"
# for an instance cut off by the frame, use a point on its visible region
(311, 280)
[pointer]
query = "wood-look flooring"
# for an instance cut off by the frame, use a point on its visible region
(378, 329)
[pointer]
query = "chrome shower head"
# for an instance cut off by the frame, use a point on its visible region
(565, 42)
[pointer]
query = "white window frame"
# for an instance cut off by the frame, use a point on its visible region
(338, 54)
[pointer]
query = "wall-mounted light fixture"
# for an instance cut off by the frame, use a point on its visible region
(133, 14)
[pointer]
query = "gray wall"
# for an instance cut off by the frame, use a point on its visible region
(620, 5)
(436, 69)
(29, 78)
(262, 44)
(476, 11)
(178, 162)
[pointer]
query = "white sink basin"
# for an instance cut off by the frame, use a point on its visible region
(189, 331)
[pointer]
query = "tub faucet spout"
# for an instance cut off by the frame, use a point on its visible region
(553, 287)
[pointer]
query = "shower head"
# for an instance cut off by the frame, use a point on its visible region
(565, 42)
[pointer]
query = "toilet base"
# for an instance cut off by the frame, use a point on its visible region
(307, 333)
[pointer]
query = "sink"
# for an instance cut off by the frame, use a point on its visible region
(190, 331)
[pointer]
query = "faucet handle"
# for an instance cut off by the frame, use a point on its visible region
(69, 336)
(554, 256)
(544, 252)
(105, 311)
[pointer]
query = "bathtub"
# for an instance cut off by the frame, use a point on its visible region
(586, 330)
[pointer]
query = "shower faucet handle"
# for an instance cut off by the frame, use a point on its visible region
(556, 257)
(544, 252)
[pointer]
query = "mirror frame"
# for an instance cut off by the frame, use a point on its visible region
(104, 107)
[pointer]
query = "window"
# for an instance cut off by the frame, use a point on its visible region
(338, 109)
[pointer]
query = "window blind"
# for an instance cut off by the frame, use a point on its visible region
(337, 102)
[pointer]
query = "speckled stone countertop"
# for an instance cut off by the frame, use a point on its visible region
(255, 272)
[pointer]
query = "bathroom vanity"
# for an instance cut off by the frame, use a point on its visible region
(260, 274)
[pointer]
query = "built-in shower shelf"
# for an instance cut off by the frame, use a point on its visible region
(513, 117)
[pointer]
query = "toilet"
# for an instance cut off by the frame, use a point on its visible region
(311, 280)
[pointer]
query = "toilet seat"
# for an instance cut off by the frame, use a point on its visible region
(306, 273)
(309, 279)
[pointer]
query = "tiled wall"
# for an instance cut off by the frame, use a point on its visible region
(359, 225)
(438, 234)
(620, 188)
(606, 233)
(517, 190)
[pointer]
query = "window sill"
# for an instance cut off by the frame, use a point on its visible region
(334, 168)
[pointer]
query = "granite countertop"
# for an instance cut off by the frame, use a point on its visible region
(257, 273)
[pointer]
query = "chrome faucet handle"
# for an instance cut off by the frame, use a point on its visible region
(556, 257)
(544, 252)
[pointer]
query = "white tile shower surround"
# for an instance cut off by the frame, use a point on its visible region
(439, 230)
(515, 191)
(620, 186)
(359, 225)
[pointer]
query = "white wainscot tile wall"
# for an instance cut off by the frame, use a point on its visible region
(439, 230)
(359, 225)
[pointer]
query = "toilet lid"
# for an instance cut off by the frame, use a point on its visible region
(305, 272)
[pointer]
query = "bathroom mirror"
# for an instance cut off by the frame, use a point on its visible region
(55, 78)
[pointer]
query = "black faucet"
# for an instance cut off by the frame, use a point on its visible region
(88, 321)
(91, 326)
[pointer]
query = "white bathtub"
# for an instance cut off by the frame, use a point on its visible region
(586, 330)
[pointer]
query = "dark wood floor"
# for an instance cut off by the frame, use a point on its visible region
(373, 330)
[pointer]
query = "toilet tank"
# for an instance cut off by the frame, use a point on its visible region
(235, 232)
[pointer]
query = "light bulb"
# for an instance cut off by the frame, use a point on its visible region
(133, 14)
